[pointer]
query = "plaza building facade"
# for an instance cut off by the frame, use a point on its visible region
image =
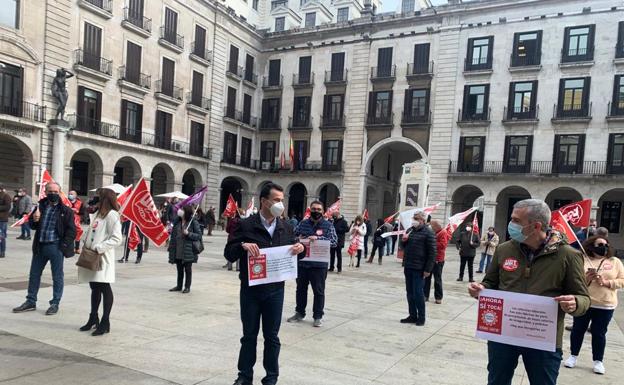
(500, 100)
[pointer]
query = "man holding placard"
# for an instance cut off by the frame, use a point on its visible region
(258, 242)
(533, 263)
(320, 236)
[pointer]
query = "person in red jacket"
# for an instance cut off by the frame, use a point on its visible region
(76, 205)
(232, 225)
(442, 236)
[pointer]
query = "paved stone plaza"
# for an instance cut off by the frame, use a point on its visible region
(158, 337)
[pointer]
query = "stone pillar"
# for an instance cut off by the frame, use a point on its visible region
(489, 214)
(594, 213)
(60, 129)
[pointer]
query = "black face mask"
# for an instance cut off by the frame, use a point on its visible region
(53, 198)
(601, 250)
(316, 215)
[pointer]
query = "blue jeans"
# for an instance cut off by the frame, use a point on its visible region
(26, 230)
(414, 284)
(3, 235)
(599, 319)
(485, 260)
(542, 367)
(388, 245)
(266, 303)
(47, 252)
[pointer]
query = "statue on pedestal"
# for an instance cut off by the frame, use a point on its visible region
(59, 91)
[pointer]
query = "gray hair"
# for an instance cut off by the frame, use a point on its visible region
(420, 213)
(537, 210)
(602, 232)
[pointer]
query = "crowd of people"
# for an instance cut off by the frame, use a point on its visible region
(582, 278)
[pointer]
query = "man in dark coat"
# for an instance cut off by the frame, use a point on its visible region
(5, 208)
(54, 239)
(467, 244)
(262, 302)
(210, 219)
(419, 248)
(369, 232)
(342, 227)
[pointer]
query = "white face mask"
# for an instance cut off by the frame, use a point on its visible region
(181, 213)
(415, 223)
(468, 229)
(277, 209)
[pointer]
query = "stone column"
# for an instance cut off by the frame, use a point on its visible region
(60, 129)
(489, 214)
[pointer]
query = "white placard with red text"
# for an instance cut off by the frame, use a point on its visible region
(316, 250)
(274, 264)
(517, 319)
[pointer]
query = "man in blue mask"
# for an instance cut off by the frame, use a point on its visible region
(535, 261)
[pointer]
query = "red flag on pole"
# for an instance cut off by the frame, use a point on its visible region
(45, 179)
(559, 223)
(333, 208)
(133, 237)
(475, 224)
(291, 152)
(121, 198)
(307, 213)
(577, 213)
(230, 208)
(391, 218)
(365, 214)
(22, 220)
(458, 218)
(139, 208)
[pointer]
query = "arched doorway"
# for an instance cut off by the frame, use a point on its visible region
(86, 172)
(610, 215)
(16, 159)
(162, 179)
(191, 181)
(297, 200)
(328, 194)
(234, 186)
(384, 166)
(562, 196)
(465, 197)
(506, 199)
(127, 171)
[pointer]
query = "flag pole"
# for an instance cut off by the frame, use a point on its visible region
(192, 216)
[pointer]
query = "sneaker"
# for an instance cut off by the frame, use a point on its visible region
(26, 306)
(571, 362)
(408, 320)
(53, 309)
(599, 367)
(295, 318)
(318, 323)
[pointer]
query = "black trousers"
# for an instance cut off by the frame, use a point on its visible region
(184, 268)
(436, 275)
(315, 277)
(375, 248)
(139, 251)
(462, 267)
(366, 245)
(335, 255)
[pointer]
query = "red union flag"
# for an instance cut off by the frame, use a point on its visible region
(333, 208)
(577, 213)
(560, 224)
(121, 198)
(475, 224)
(133, 237)
(139, 208)
(391, 218)
(45, 179)
(458, 218)
(230, 207)
(365, 214)
(306, 215)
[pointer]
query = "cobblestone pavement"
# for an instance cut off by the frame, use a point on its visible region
(158, 337)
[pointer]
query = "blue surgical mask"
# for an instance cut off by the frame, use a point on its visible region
(515, 232)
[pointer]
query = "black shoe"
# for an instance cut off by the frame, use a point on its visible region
(175, 289)
(120, 260)
(26, 306)
(408, 320)
(103, 327)
(420, 322)
(1, 255)
(568, 328)
(137, 261)
(479, 272)
(240, 381)
(27, 239)
(20, 237)
(459, 279)
(186, 290)
(472, 280)
(426, 299)
(53, 309)
(94, 320)
(330, 269)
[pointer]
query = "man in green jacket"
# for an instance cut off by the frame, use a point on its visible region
(535, 261)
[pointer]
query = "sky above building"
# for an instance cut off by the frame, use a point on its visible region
(395, 5)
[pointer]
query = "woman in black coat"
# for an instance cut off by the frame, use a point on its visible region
(185, 230)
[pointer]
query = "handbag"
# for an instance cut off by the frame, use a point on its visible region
(198, 247)
(90, 259)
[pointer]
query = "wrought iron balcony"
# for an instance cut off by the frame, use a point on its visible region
(477, 116)
(234, 70)
(171, 37)
(383, 73)
(94, 62)
(137, 19)
(303, 80)
(568, 112)
(272, 82)
(419, 69)
(270, 124)
(204, 53)
(106, 5)
(167, 89)
(529, 59)
(573, 55)
(23, 109)
(197, 100)
(477, 64)
(251, 77)
(336, 76)
(300, 124)
(586, 168)
(520, 114)
(93, 126)
(383, 120)
(408, 119)
(335, 122)
(140, 79)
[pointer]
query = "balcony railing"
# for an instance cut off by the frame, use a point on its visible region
(333, 121)
(520, 113)
(233, 69)
(93, 126)
(384, 120)
(336, 76)
(26, 110)
(241, 161)
(172, 37)
(407, 118)
(169, 90)
(140, 79)
(535, 168)
(477, 64)
(527, 60)
(205, 54)
(130, 134)
(102, 4)
(378, 73)
(577, 55)
(269, 82)
(198, 101)
(271, 124)
(414, 69)
(232, 113)
(572, 111)
(303, 79)
(300, 124)
(479, 115)
(93, 62)
(137, 19)
(251, 77)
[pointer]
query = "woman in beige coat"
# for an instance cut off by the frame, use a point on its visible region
(103, 235)
(489, 241)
